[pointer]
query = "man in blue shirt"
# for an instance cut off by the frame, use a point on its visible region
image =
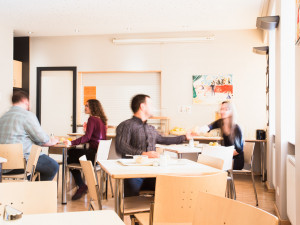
(19, 125)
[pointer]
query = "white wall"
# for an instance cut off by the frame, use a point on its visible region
(6, 68)
(231, 52)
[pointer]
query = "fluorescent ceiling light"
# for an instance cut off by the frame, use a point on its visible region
(162, 40)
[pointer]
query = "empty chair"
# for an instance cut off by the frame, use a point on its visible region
(30, 166)
(216, 210)
(248, 160)
(103, 149)
(131, 204)
(103, 154)
(211, 161)
(29, 197)
(225, 153)
(15, 159)
(176, 196)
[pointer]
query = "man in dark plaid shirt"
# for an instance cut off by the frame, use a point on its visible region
(136, 137)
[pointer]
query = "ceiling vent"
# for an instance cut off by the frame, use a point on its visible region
(267, 22)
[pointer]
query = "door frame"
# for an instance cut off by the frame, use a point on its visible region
(39, 90)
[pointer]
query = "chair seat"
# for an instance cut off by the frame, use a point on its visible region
(74, 166)
(132, 205)
(142, 218)
(242, 171)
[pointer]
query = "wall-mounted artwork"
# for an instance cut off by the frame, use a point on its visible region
(298, 22)
(212, 89)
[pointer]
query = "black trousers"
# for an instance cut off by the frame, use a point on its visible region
(238, 163)
(73, 157)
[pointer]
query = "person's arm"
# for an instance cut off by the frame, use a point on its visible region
(88, 134)
(206, 128)
(123, 137)
(36, 133)
(170, 140)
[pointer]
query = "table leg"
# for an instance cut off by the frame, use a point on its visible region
(64, 175)
(263, 153)
(119, 198)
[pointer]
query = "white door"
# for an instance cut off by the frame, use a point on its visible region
(57, 102)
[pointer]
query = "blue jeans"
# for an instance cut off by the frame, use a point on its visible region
(133, 186)
(47, 167)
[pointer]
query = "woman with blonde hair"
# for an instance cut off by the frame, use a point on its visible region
(231, 132)
(95, 131)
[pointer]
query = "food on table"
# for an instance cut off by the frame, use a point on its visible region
(178, 131)
(62, 139)
(213, 144)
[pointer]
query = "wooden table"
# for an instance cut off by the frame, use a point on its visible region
(108, 217)
(119, 172)
(2, 160)
(263, 146)
(62, 149)
(180, 149)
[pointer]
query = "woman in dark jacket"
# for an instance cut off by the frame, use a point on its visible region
(231, 132)
(95, 131)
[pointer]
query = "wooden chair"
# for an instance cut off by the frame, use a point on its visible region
(211, 161)
(15, 159)
(175, 197)
(29, 197)
(226, 154)
(131, 204)
(216, 210)
(30, 166)
(103, 154)
(248, 160)
(103, 149)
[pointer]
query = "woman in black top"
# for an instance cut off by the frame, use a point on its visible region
(231, 132)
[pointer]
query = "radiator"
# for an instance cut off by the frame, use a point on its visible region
(291, 188)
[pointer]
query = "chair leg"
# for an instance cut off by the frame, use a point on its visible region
(253, 181)
(233, 186)
(111, 187)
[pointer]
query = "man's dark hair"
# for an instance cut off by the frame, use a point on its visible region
(137, 101)
(19, 96)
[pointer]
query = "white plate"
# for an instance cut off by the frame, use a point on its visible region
(132, 162)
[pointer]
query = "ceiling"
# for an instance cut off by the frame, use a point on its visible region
(98, 17)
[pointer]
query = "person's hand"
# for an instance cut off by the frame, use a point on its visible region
(67, 143)
(189, 135)
(84, 126)
(151, 154)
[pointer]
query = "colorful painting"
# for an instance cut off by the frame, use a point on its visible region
(212, 89)
(298, 22)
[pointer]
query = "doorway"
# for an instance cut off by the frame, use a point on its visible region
(56, 99)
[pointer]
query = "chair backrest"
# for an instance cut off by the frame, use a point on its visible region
(248, 152)
(175, 196)
(103, 149)
(89, 174)
(215, 210)
(33, 158)
(29, 197)
(211, 161)
(225, 153)
(14, 155)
